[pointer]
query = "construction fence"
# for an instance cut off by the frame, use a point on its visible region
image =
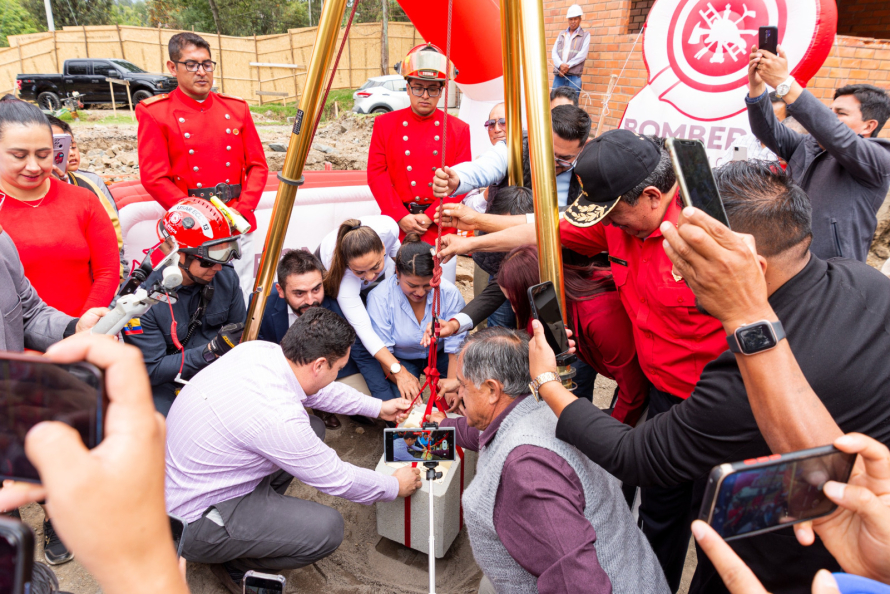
(286, 56)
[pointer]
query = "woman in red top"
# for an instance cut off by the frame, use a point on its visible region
(64, 237)
(601, 329)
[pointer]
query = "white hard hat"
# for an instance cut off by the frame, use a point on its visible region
(574, 11)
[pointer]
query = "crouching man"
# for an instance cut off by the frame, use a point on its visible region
(239, 433)
(540, 515)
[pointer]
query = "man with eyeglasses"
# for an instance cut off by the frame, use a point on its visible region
(208, 316)
(194, 142)
(406, 147)
(571, 128)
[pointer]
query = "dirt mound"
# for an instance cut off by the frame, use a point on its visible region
(110, 151)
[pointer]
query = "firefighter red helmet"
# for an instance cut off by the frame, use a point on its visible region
(426, 62)
(200, 230)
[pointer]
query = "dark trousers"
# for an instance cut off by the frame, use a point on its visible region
(585, 380)
(266, 530)
(666, 512)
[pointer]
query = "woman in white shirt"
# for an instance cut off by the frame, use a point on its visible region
(358, 254)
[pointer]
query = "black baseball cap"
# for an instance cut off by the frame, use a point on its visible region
(611, 164)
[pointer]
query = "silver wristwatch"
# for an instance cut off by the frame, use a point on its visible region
(784, 87)
(539, 381)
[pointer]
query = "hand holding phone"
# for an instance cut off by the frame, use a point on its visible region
(61, 148)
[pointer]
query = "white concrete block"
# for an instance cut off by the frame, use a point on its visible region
(391, 516)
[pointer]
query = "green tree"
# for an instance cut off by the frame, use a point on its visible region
(72, 12)
(128, 12)
(14, 20)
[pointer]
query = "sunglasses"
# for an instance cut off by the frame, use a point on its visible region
(499, 122)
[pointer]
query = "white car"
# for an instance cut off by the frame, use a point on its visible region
(381, 94)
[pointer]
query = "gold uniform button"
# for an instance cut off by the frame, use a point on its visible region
(404, 138)
(195, 168)
(187, 135)
(404, 123)
(181, 120)
(436, 137)
(407, 153)
(235, 131)
(409, 168)
(228, 148)
(228, 117)
(437, 122)
(435, 152)
(228, 130)
(414, 183)
(191, 151)
(199, 185)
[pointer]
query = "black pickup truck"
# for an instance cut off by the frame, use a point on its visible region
(88, 77)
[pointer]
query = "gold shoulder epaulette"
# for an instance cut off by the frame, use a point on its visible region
(232, 97)
(155, 99)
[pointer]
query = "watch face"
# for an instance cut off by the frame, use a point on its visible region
(756, 338)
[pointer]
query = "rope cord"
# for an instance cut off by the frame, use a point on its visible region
(336, 63)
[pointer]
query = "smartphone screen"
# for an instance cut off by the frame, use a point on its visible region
(9, 557)
(419, 445)
(697, 185)
(261, 583)
(545, 308)
(777, 494)
(61, 148)
(177, 527)
(33, 390)
(768, 39)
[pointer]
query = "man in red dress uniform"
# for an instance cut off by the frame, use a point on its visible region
(406, 148)
(193, 142)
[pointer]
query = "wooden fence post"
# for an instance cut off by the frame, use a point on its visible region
(120, 42)
(259, 78)
(349, 52)
(161, 49)
(293, 60)
(56, 50)
(86, 43)
(222, 78)
(21, 67)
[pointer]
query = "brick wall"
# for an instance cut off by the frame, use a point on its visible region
(639, 9)
(864, 18)
(612, 48)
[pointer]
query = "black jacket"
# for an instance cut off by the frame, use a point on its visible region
(837, 318)
(846, 181)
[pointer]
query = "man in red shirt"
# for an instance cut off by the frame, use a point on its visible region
(628, 185)
(193, 142)
(406, 148)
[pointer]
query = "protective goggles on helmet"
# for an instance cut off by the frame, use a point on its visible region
(218, 251)
(427, 65)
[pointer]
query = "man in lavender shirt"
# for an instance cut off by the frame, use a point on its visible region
(239, 433)
(540, 515)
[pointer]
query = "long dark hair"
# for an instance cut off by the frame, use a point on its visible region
(14, 111)
(519, 271)
(354, 240)
(415, 257)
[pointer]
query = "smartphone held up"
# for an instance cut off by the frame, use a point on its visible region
(34, 390)
(545, 308)
(773, 492)
(419, 445)
(695, 178)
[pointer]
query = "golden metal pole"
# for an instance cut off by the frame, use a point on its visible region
(540, 143)
(511, 50)
(297, 150)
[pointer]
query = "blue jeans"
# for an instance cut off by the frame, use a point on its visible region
(585, 378)
(568, 80)
(416, 366)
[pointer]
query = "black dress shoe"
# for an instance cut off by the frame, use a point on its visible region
(362, 420)
(330, 419)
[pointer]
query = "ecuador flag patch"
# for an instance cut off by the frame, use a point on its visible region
(134, 326)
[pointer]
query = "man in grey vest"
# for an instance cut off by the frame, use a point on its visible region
(570, 51)
(540, 515)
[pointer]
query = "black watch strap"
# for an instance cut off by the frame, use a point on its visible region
(734, 343)
(208, 354)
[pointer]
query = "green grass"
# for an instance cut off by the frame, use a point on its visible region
(343, 97)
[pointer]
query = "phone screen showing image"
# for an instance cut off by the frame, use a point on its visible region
(259, 585)
(419, 445)
(61, 149)
(777, 495)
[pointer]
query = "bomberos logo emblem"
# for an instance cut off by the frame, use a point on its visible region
(696, 56)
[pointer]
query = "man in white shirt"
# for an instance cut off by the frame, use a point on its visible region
(570, 51)
(239, 434)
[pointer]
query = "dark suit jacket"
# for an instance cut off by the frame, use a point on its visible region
(275, 325)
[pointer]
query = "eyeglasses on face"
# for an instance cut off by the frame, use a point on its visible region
(192, 66)
(491, 123)
(564, 163)
(431, 91)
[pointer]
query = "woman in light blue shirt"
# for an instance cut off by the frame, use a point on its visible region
(400, 308)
